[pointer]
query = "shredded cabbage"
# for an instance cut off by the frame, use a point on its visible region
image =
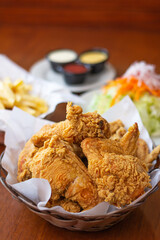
(149, 110)
(148, 107)
(142, 85)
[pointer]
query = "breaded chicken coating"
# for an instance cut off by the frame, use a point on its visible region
(117, 161)
(67, 175)
(75, 128)
(115, 125)
(120, 179)
(129, 140)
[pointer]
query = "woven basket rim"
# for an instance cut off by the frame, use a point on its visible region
(33, 207)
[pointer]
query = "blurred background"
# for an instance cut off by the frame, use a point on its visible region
(130, 30)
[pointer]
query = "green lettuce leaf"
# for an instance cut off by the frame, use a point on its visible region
(149, 110)
(148, 107)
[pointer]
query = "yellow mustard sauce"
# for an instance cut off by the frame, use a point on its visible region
(93, 57)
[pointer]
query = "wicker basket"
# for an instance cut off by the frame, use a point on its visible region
(68, 221)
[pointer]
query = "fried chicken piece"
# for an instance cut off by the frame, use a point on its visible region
(76, 127)
(115, 125)
(152, 156)
(45, 133)
(118, 147)
(66, 173)
(142, 149)
(118, 134)
(102, 146)
(129, 140)
(120, 179)
(77, 150)
(143, 153)
(70, 206)
(86, 125)
(139, 147)
(25, 158)
(66, 204)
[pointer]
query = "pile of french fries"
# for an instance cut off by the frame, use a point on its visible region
(19, 94)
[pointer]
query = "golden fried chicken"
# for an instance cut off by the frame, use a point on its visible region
(142, 149)
(129, 140)
(45, 133)
(67, 175)
(66, 204)
(117, 161)
(120, 178)
(142, 152)
(25, 157)
(152, 156)
(118, 134)
(102, 145)
(138, 148)
(115, 125)
(76, 127)
(127, 145)
(86, 125)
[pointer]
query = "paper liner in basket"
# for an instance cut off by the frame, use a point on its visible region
(20, 126)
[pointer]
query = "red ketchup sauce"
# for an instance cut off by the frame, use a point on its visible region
(75, 68)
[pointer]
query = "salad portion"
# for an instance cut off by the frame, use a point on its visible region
(142, 85)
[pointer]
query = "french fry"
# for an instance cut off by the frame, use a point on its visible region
(6, 95)
(18, 94)
(20, 87)
(8, 82)
(28, 109)
(1, 105)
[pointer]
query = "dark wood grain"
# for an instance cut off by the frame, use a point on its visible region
(17, 222)
(96, 13)
(26, 44)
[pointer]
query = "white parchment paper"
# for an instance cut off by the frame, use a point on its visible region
(128, 114)
(52, 93)
(20, 126)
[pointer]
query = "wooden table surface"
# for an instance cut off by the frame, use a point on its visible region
(25, 45)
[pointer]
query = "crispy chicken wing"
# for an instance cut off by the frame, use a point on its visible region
(117, 161)
(142, 152)
(152, 156)
(67, 175)
(137, 147)
(66, 204)
(142, 149)
(115, 125)
(45, 133)
(102, 146)
(118, 134)
(75, 128)
(120, 179)
(86, 125)
(129, 140)
(25, 157)
(127, 145)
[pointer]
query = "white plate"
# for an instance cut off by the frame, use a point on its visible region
(87, 97)
(43, 70)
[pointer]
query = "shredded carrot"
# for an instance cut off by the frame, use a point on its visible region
(130, 86)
